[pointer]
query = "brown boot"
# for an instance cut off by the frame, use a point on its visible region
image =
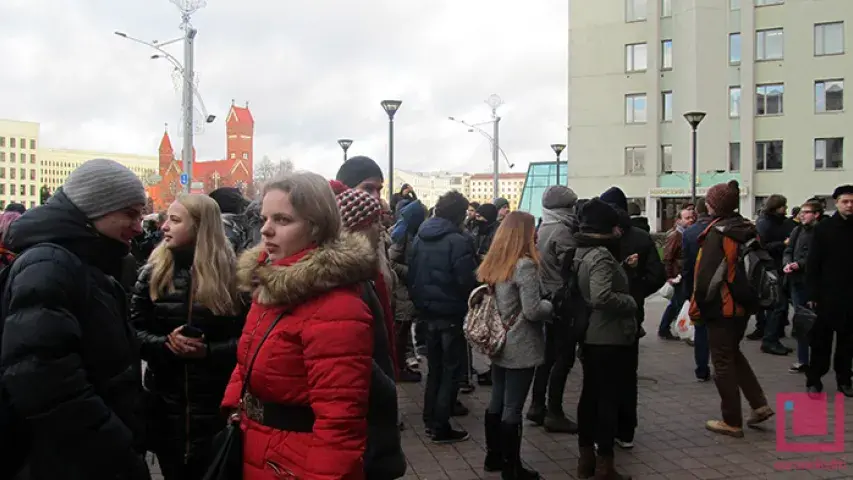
(586, 462)
(721, 427)
(759, 415)
(604, 469)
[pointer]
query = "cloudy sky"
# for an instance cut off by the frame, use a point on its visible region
(312, 71)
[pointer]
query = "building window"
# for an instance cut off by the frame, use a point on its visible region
(769, 99)
(768, 155)
(635, 108)
(666, 106)
(13, 189)
(32, 190)
(32, 158)
(12, 173)
(829, 96)
(2, 156)
(32, 144)
(734, 102)
(635, 10)
(734, 48)
(770, 44)
(665, 8)
(829, 38)
(666, 55)
(11, 142)
(761, 3)
(33, 174)
(2, 172)
(233, 156)
(2, 141)
(734, 156)
(828, 153)
(666, 158)
(734, 4)
(635, 160)
(636, 57)
(23, 143)
(245, 156)
(23, 174)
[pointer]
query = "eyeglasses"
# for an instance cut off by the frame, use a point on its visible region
(803, 212)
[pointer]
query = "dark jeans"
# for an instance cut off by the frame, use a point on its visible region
(551, 376)
(607, 377)
(775, 320)
(445, 358)
(798, 299)
(733, 374)
(701, 353)
(509, 391)
(403, 342)
(672, 310)
(821, 349)
(627, 420)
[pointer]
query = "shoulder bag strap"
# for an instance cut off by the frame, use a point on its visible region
(248, 374)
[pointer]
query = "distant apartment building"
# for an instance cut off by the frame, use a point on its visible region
(510, 187)
(19, 169)
(57, 163)
(769, 74)
(428, 186)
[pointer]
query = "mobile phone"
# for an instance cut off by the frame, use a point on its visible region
(190, 331)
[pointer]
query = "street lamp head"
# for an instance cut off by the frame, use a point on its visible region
(494, 101)
(210, 118)
(694, 118)
(558, 148)
(391, 107)
(121, 34)
(452, 118)
(345, 143)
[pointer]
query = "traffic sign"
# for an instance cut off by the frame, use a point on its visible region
(185, 179)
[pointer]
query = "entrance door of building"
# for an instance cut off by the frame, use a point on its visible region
(668, 210)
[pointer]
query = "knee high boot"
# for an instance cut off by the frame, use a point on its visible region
(513, 468)
(494, 444)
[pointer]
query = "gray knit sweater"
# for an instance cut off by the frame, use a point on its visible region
(525, 341)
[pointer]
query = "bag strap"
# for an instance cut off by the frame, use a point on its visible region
(248, 374)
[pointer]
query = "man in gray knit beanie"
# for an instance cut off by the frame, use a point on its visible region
(103, 186)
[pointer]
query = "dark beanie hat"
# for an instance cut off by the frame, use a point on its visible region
(16, 207)
(229, 199)
(723, 198)
(842, 190)
(500, 203)
(358, 169)
(488, 211)
(597, 216)
(616, 197)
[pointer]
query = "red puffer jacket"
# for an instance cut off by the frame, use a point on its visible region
(319, 355)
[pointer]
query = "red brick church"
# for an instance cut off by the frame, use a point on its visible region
(207, 175)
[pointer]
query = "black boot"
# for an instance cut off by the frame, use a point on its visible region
(511, 441)
(494, 445)
(536, 413)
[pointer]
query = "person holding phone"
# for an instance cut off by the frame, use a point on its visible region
(188, 316)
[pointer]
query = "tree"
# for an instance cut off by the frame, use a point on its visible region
(267, 170)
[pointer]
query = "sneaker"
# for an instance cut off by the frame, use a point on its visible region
(798, 368)
(814, 391)
(466, 387)
(559, 423)
(755, 335)
(759, 415)
(721, 427)
(775, 350)
(668, 336)
(413, 363)
(410, 376)
(450, 436)
(459, 410)
(623, 444)
(706, 378)
(537, 415)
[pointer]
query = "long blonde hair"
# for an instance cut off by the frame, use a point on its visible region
(513, 241)
(214, 269)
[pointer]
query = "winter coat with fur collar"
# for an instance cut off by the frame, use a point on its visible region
(319, 355)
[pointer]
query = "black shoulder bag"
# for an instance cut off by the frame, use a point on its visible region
(227, 462)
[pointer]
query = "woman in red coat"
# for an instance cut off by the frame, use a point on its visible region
(305, 413)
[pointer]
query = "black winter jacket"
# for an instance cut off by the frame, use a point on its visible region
(70, 360)
(773, 231)
(797, 251)
(483, 234)
(442, 267)
(648, 276)
(828, 273)
(186, 392)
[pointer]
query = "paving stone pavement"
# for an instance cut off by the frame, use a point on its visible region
(671, 441)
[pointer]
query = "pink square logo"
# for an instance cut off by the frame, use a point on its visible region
(810, 418)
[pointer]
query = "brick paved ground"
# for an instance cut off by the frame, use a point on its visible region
(671, 441)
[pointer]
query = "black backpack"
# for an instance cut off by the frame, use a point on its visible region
(756, 285)
(568, 302)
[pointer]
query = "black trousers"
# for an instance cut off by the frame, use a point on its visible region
(607, 376)
(551, 376)
(628, 403)
(445, 358)
(820, 342)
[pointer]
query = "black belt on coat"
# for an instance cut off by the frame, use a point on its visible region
(288, 418)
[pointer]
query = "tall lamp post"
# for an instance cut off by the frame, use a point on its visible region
(345, 143)
(494, 101)
(694, 119)
(391, 107)
(558, 149)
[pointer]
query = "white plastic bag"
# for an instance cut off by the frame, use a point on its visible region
(667, 291)
(682, 327)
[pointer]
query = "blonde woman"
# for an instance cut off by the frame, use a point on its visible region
(188, 317)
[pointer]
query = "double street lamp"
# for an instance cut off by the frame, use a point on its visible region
(558, 149)
(694, 118)
(391, 107)
(345, 143)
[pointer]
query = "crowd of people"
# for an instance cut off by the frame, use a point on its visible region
(296, 315)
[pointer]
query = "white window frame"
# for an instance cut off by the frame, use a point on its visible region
(632, 166)
(762, 89)
(821, 146)
(735, 95)
(666, 114)
(665, 60)
(665, 8)
(731, 163)
(763, 157)
(734, 5)
(820, 36)
(732, 60)
(665, 151)
(767, 3)
(631, 108)
(631, 57)
(761, 37)
(818, 102)
(631, 10)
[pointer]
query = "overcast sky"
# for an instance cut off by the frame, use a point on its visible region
(312, 71)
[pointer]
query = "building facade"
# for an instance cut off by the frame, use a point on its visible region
(207, 175)
(19, 167)
(429, 186)
(55, 164)
(510, 186)
(769, 74)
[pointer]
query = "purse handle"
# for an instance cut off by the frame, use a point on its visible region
(248, 374)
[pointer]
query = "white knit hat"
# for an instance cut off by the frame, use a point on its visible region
(102, 186)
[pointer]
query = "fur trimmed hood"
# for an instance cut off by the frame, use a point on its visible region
(346, 261)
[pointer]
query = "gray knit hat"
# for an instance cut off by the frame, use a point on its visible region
(101, 186)
(558, 196)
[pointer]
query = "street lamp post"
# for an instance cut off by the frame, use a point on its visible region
(694, 119)
(345, 143)
(494, 101)
(558, 149)
(391, 107)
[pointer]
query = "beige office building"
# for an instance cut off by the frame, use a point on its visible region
(510, 186)
(57, 163)
(769, 74)
(428, 186)
(19, 169)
